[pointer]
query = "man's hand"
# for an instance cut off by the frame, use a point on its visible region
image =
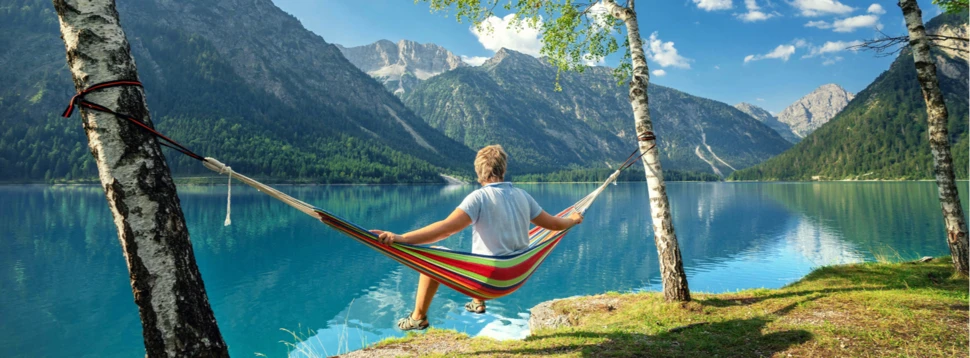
(387, 237)
(576, 217)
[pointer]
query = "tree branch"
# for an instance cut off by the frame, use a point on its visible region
(891, 45)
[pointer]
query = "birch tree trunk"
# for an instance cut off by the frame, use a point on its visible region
(936, 115)
(671, 265)
(165, 280)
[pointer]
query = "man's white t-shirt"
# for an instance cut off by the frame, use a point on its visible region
(500, 216)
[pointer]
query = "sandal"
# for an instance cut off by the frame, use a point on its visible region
(475, 307)
(410, 324)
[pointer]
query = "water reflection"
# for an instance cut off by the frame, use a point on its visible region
(64, 278)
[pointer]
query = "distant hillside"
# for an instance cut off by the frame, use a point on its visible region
(238, 80)
(511, 100)
(401, 66)
(881, 134)
(769, 120)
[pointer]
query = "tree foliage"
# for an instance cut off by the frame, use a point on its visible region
(953, 6)
(574, 33)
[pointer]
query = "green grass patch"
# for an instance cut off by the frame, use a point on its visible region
(859, 310)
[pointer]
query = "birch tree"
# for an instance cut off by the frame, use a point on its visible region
(573, 34)
(168, 290)
(936, 116)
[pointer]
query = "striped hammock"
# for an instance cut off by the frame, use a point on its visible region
(478, 276)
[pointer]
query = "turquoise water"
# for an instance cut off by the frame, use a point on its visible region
(65, 288)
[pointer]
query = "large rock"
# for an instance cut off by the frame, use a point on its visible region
(565, 312)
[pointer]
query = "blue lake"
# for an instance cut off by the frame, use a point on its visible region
(65, 288)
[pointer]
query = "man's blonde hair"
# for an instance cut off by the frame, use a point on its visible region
(490, 164)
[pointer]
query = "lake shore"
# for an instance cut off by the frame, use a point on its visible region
(868, 309)
(222, 181)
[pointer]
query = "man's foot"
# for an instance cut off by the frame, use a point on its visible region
(475, 306)
(410, 324)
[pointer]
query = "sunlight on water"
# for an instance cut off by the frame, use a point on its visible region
(64, 279)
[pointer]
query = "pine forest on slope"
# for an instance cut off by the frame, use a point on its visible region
(881, 134)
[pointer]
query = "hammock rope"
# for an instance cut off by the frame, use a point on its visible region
(478, 276)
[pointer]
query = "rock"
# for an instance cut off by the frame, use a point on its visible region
(542, 316)
(571, 310)
(926, 259)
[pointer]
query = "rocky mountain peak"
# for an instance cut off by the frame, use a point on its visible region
(758, 113)
(815, 109)
(401, 66)
(769, 120)
(510, 57)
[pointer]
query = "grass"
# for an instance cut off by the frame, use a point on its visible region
(858, 310)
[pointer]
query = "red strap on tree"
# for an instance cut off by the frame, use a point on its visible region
(79, 101)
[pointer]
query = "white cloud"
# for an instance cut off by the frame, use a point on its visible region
(830, 61)
(799, 43)
(782, 52)
(599, 14)
(852, 23)
(497, 34)
(759, 99)
(590, 60)
(474, 60)
(876, 9)
(833, 47)
(711, 5)
(664, 53)
(849, 24)
(819, 24)
(821, 7)
(659, 73)
(716, 67)
(754, 12)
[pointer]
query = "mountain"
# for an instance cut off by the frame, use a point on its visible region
(769, 120)
(881, 134)
(403, 65)
(511, 100)
(239, 80)
(815, 109)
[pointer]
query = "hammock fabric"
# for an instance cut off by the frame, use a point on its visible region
(478, 276)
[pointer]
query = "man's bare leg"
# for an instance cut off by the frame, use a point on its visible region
(426, 290)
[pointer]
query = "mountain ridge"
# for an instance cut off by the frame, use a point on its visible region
(881, 133)
(763, 116)
(511, 99)
(401, 66)
(253, 88)
(815, 109)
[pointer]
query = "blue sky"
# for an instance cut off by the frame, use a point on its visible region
(769, 54)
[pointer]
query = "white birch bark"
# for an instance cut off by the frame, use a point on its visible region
(936, 116)
(671, 265)
(168, 290)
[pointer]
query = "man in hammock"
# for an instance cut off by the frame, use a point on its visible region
(499, 214)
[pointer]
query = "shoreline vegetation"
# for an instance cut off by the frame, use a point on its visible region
(566, 176)
(866, 309)
(222, 180)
